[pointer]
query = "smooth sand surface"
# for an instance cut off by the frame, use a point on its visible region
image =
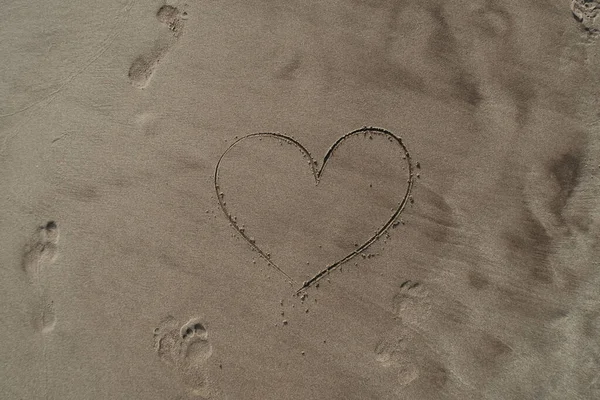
(470, 259)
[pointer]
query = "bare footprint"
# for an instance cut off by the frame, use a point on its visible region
(586, 12)
(411, 304)
(186, 349)
(144, 66)
(165, 341)
(44, 316)
(393, 353)
(391, 348)
(196, 347)
(406, 358)
(173, 18)
(41, 251)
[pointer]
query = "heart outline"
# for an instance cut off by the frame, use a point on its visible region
(317, 174)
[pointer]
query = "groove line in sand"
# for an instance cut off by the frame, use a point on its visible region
(317, 174)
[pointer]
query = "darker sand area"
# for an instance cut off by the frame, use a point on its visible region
(151, 250)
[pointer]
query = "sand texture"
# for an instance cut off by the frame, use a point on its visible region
(328, 200)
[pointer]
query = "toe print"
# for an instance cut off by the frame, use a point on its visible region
(186, 349)
(196, 347)
(411, 303)
(143, 67)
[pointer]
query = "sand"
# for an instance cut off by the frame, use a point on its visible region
(300, 200)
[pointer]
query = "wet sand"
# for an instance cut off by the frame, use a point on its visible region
(184, 217)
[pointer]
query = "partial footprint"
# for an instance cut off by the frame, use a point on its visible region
(411, 362)
(173, 18)
(196, 348)
(390, 349)
(393, 352)
(586, 12)
(411, 304)
(144, 66)
(41, 251)
(165, 341)
(44, 320)
(185, 348)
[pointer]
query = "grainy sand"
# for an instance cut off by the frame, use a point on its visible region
(151, 249)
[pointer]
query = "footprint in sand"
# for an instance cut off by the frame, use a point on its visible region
(405, 358)
(393, 353)
(586, 12)
(40, 253)
(411, 303)
(45, 320)
(143, 67)
(186, 349)
(396, 352)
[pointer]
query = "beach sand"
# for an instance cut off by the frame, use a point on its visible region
(300, 200)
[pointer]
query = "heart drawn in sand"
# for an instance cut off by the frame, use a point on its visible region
(400, 154)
